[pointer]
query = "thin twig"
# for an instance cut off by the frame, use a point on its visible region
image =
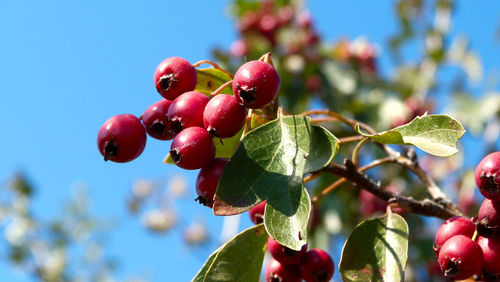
(218, 90)
(214, 65)
(349, 139)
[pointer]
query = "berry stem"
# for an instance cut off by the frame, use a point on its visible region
(214, 65)
(356, 149)
(350, 139)
(218, 90)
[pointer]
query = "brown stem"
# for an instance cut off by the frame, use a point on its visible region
(424, 207)
(214, 65)
(218, 90)
(349, 139)
(326, 119)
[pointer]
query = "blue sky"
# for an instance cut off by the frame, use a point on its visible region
(67, 66)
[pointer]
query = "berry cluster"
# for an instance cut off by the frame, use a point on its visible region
(286, 264)
(465, 247)
(191, 118)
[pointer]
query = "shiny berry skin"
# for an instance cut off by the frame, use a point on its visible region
(487, 176)
(460, 258)
(192, 148)
(187, 110)
(491, 254)
(316, 266)
(156, 122)
(224, 116)
(256, 84)
(277, 272)
(173, 77)
(208, 180)
(284, 254)
(256, 213)
(121, 138)
(457, 225)
(488, 219)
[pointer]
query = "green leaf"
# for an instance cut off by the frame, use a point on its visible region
(290, 231)
(269, 164)
(434, 134)
(225, 148)
(239, 259)
(210, 79)
(376, 250)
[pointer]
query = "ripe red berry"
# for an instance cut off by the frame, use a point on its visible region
(488, 219)
(192, 148)
(457, 225)
(277, 272)
(256, 84)
(187, 110)
(460, 258)
(208, 180)
(487, 176)
(284, 254)
(121, 138)
(224, 116)
(257, 213)
(491, 254)
(316, 266)
(156, 122)
(174, 76)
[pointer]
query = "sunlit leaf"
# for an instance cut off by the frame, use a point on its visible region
(240, 259)
(434, 134)
(210, 79)
(376, 250)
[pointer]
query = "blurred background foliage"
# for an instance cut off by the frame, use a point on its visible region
(342, 74)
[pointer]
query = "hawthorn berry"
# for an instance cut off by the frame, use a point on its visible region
(173, 77)
(256, 213)
(316, 266)
(156, 122)
(187, 110)
(256, 84)
(208, 180)
(192, 148)
(224, 116)
(457, 225)
(284, 254)
(278, 272)
(491, 254)
(121, 138)
(460, 258)
(487, 176)
(488, 219)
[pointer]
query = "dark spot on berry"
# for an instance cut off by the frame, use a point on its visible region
(157, 128)
(204, 201)
(166, 81)
(275, 279)
(247, 94)
(176, 125)
(451, 269)
(486, 229)
(488, 184)
(110, 149)
(176, 157)
(213, 132)
(321, 276)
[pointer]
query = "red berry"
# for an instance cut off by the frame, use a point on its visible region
(121, 138)
(224, 116)
(187, 110)
(456, 225)
(460, 258)
(156, 122)
(316, 266)
(491, 254)
(192, 148)
(208, 180)
(488, 219)
(256, 84)
(488, 177)
(277, 272)
(284, 254)
(174, 76)
(239, 48)
(257, 213)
